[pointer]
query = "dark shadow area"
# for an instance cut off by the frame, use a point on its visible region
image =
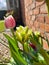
(2, 14)
(23, 11)
(18, 16)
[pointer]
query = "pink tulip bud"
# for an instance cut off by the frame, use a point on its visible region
(10, 22)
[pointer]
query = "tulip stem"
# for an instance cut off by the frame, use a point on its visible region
(12, 30)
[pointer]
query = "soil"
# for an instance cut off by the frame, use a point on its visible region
(4, 50)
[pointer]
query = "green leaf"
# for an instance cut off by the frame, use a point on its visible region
(38, 63)
(45, 55)
(15, 51)
(41, 41)
(11, 48)
(12, 42)
(41, 59)
(14, 57)
(35, 41)
(19, 58)
(26, 49)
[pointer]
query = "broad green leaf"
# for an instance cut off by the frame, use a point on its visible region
(19, 58)
(14, 57)
(12, 42)
(45, 55)
(15, 51)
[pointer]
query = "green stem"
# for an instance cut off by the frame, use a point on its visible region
(12, 30)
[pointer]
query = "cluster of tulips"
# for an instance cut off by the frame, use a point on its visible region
(31, 52)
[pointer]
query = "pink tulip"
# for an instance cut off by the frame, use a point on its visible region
(10, 22)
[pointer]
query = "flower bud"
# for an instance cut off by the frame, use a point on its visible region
(33, 46)
(10, 22)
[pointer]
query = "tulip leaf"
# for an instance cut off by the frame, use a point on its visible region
(16, 58)
(12, 42)
(19, 58)
(26, 47)
(45, 55)
(15, 51)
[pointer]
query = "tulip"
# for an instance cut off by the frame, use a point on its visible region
(10, 22)
(33, 46)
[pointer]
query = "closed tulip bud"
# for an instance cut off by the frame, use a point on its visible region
(33, 46)
(9, 22)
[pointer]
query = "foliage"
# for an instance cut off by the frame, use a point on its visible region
(32, 52)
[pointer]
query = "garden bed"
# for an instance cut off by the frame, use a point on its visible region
(4, 50)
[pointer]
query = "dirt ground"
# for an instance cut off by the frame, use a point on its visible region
(4, 50)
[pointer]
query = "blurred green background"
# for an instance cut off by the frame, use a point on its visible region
(2, 26)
